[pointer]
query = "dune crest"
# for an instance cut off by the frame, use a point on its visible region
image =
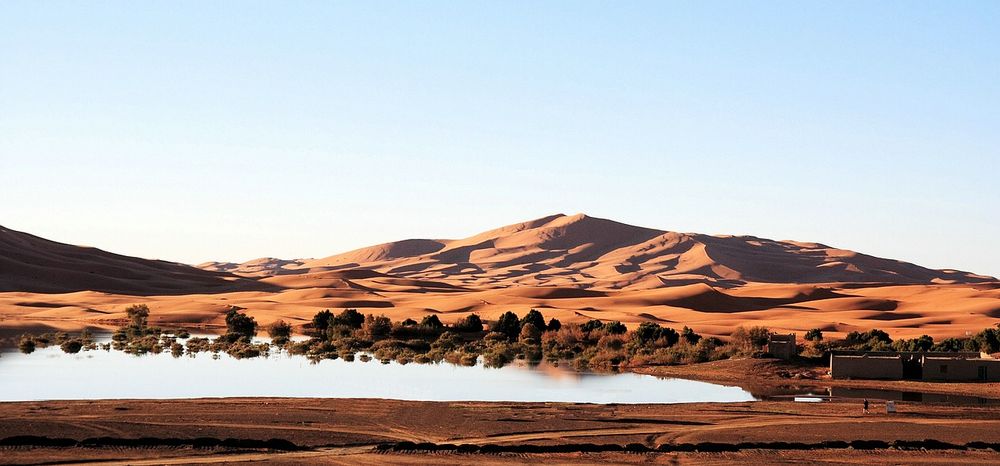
(588, 252)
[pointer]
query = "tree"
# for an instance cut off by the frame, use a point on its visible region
(615, 328)
(349, 318)
(280, 332)
(922, 343)
(376, 327)
(26, 345)
(470, 323)
(508, 324)
(954, 344)
(647, 332)
(814, 335)
(431, 321)
(71, 346)
(554, 325)
(988, 340)
(750, 340)
(530, 334)
(240, 326)
(321, 322)
(535, 318)
(876, 335)
(689, 336)
(138, 316)
(592, 325)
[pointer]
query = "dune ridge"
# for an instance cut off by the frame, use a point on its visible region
(573, 268)
(588, 252)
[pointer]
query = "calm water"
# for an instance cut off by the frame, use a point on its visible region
(50, 374)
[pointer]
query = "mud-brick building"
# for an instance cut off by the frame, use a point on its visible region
(982, 368)
(782, 346)
(890, 365)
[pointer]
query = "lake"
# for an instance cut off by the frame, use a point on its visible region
(50, 374)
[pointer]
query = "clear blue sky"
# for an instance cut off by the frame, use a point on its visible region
(196, 130)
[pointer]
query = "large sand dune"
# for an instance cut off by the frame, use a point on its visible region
(585, 252)
(30, 263)
(570, 267)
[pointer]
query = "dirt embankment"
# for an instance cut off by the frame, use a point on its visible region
(334, 430)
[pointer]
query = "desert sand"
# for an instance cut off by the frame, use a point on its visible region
(573, 268)
(345, 431)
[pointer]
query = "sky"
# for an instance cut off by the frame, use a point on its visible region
(194, 131)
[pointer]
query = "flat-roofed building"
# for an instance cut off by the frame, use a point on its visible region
(938, 368)
(889, 365)
(782, 346)
(866, 367)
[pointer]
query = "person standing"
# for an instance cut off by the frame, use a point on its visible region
(866, 406)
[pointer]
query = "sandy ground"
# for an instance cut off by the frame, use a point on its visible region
(937, 310)
(343, 430)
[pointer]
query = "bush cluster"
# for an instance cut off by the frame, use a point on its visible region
(592, 345)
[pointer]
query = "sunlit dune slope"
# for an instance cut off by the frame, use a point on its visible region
(587, 252)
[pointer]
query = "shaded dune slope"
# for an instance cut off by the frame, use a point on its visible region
(32, 264)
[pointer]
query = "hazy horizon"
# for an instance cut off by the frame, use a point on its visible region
(193, 132)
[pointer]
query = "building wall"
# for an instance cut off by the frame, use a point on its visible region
(782, 350)
(782, 346)
(960, 369)
(865, 367)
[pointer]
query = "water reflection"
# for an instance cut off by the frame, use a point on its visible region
(49, 373)
(819, 394)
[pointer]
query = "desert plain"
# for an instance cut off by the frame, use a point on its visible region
(572, 268)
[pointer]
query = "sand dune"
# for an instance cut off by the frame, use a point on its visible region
(593, 253)
(573, 268)
(30, 263)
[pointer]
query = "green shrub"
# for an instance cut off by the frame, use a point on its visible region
(239, 326)
(349, 318)
(469, 324)
(652, 335)
(530, 334)
(509, 325)
(749, 341)
(377, 327)
(320, 323)
(71, 346)
(689, 335)
(431, 321)
(988, 340)
(138, 316)
(26, 345)
(280, 332)
(615, 328)
(553, 326)
(922, 343)
(535, 318)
